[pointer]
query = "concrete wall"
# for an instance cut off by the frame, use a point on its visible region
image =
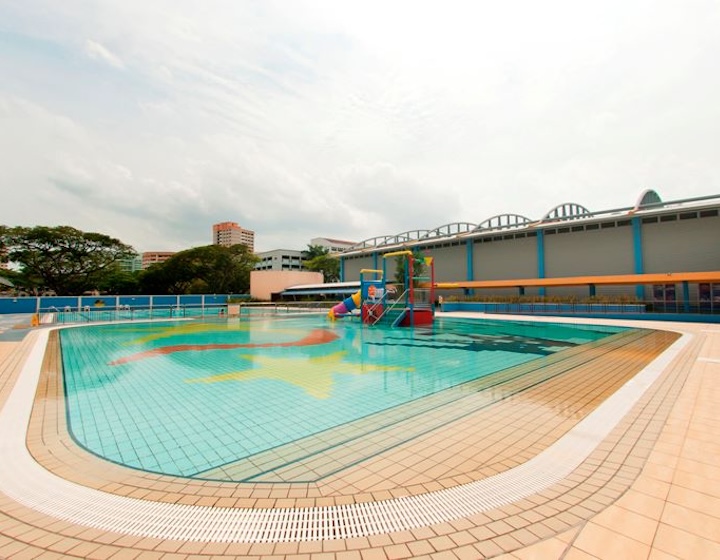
(264, 283)
(505, 257)
(354, 266)
(689, 245)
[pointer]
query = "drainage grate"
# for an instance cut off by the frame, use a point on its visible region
(22, 479)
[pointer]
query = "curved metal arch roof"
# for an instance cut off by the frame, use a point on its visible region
(447, 230)
(647, 197)
(504, 221)
(648, 200)
(566, 210)
(384, 240)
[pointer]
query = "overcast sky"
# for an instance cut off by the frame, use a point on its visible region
(151, 120)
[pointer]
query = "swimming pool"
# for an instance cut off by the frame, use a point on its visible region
(237, 399)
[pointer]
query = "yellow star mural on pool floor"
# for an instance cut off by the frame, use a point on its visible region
(313, 375)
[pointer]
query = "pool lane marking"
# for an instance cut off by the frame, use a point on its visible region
(317, 336)
(27, 482)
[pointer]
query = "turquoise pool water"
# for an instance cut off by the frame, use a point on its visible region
(185, 397)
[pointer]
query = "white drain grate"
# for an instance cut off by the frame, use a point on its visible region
(22, 479)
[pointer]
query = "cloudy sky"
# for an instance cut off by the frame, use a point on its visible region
(151, 120)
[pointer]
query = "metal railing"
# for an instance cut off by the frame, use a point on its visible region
(599, 308)
(400, 300)
(93, 314)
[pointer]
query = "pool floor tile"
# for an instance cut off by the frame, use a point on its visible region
(615, 480)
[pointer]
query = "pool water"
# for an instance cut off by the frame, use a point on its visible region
(185, 397)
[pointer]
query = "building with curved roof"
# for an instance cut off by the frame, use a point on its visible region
(650, 236)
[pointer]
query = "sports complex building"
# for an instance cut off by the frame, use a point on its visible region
(654, 250)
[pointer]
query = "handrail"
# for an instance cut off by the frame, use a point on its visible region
(398, 301)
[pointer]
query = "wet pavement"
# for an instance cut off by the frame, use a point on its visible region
(14, 326)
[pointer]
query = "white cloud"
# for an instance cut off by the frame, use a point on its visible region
(323, 118)
(96, 51)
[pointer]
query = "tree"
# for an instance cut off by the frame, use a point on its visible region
(418, 267)
(63, 259)
(329, 266)
(317, 259)
(314, 251)
(120, 282)
(208, 269)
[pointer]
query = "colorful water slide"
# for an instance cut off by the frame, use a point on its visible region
(345, 307)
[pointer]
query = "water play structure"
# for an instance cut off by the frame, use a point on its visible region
(380, 302)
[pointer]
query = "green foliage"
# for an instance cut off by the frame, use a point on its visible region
(63, 259)
(418, 267)
(202, 270)
(317, 259)
(120, 282)
(314, 251)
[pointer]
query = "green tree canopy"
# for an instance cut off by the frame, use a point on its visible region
(318, 259)
(314, 251)
(208, 269)
(418, 267)
(63, 259)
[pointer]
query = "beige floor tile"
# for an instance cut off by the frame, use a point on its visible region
(549, 549)
(698, 501)
(642, 504)
(601, 542)
(683, 544)
(692, 521)
(682, 467)
(628, 523)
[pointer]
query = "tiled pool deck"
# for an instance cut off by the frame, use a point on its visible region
(648, 489)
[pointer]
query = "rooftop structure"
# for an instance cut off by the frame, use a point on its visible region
(279, 259)
(648, 203)
(333, 245)
(228, 234)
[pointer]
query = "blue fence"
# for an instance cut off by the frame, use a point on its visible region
(638, 311)
(78, 303)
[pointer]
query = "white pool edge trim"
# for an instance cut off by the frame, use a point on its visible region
(27, 482)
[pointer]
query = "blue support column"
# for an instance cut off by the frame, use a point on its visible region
(469, 264)
(637, 254)
(592, 290)
(686, 296)
(342, 269)
(541, 258)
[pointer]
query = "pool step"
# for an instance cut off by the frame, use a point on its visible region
(323, 454)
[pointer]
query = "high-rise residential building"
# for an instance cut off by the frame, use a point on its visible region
(229, 233)
(152, 257)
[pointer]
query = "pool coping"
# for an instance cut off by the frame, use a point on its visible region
(274, 523)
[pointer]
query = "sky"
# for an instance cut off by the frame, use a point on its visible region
(149, 121)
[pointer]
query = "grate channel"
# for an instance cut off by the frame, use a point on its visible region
(25, 481)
